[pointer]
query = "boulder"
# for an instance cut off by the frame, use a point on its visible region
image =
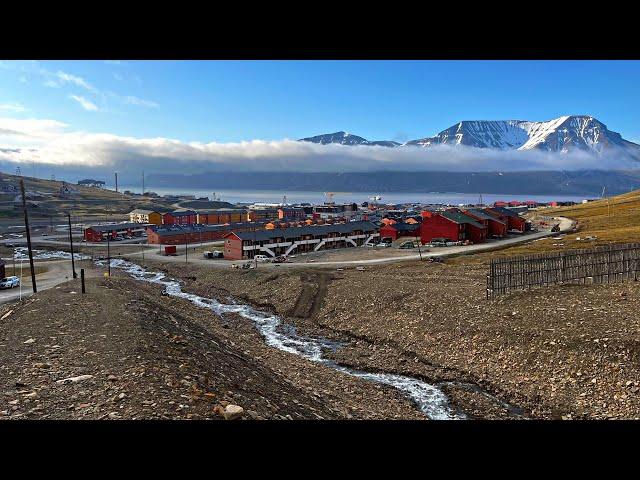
(233, 412)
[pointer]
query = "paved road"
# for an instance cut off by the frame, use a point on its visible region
(566, 225)
(59, 271)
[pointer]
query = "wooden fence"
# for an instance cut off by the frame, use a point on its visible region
(611, 263)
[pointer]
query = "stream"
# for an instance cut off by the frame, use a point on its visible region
(428, 398)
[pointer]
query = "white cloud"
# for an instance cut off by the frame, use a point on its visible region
(51, 142)
(34, 127)
(86, 104)
(131, 100)
(114, 62)
(13, 107)
(64, 77)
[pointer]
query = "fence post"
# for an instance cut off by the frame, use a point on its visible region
(82, 280)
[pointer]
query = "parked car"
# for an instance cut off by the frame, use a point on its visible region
(261, 258)
(409, 244)
(439, 242)
(9, 282)
(383, 245)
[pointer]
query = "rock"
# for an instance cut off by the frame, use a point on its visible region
(75, 379)
(233, 412)
(31, 340)
(112, 378)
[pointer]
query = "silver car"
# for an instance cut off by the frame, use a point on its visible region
(9, 282)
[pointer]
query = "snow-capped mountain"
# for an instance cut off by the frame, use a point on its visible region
(558, 135)
(561, 134)
(344, 138)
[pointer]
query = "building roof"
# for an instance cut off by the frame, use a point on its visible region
(195, 228)
(290, 232)
(506, 211)
(403, 227)
(140, 211)
(182, 213)
(483, 215)
(459, 217)
(116, 226)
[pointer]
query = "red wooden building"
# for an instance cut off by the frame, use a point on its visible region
(180, 217)
(495, 227)
(400, 229)
(181, 234)
(98, 233)
(512, 219)
(452, 225)
(293, 240)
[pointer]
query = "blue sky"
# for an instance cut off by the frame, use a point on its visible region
(230, 101)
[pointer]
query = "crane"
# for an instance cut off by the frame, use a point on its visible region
(329, 196)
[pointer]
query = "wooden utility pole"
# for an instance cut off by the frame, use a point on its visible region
(26, 225)
(254, 248)
(73, 264)
(109, 253)
(116, 173)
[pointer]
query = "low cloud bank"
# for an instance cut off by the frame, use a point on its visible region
(50, 143)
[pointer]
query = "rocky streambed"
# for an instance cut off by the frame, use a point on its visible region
(428, 398)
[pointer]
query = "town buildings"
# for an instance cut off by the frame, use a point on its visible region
(452, 225)
(293, 240)
(196, 233)
(145, 216)
(396, 230)
(180, 217)
(99, 233)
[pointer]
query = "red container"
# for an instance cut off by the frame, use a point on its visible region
(170, 250)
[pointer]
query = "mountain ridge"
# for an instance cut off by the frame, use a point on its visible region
(562, 134)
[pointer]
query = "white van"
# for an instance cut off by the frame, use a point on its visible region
(261, 258)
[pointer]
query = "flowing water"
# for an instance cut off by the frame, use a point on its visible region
(428, 398)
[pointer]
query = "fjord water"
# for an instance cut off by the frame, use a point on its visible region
(275, 196)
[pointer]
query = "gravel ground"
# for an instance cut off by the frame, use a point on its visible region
(125, 351)
(564, 352)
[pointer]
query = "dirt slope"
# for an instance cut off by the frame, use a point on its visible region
(147, 359)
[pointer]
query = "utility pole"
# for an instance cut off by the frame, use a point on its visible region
(116, 173)
(143, 182)
(255, 260)
(26, 224)
(73, 264)
(419, 250)
(186, 247)
(109, 253)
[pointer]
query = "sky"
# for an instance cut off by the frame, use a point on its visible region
(83, 110)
